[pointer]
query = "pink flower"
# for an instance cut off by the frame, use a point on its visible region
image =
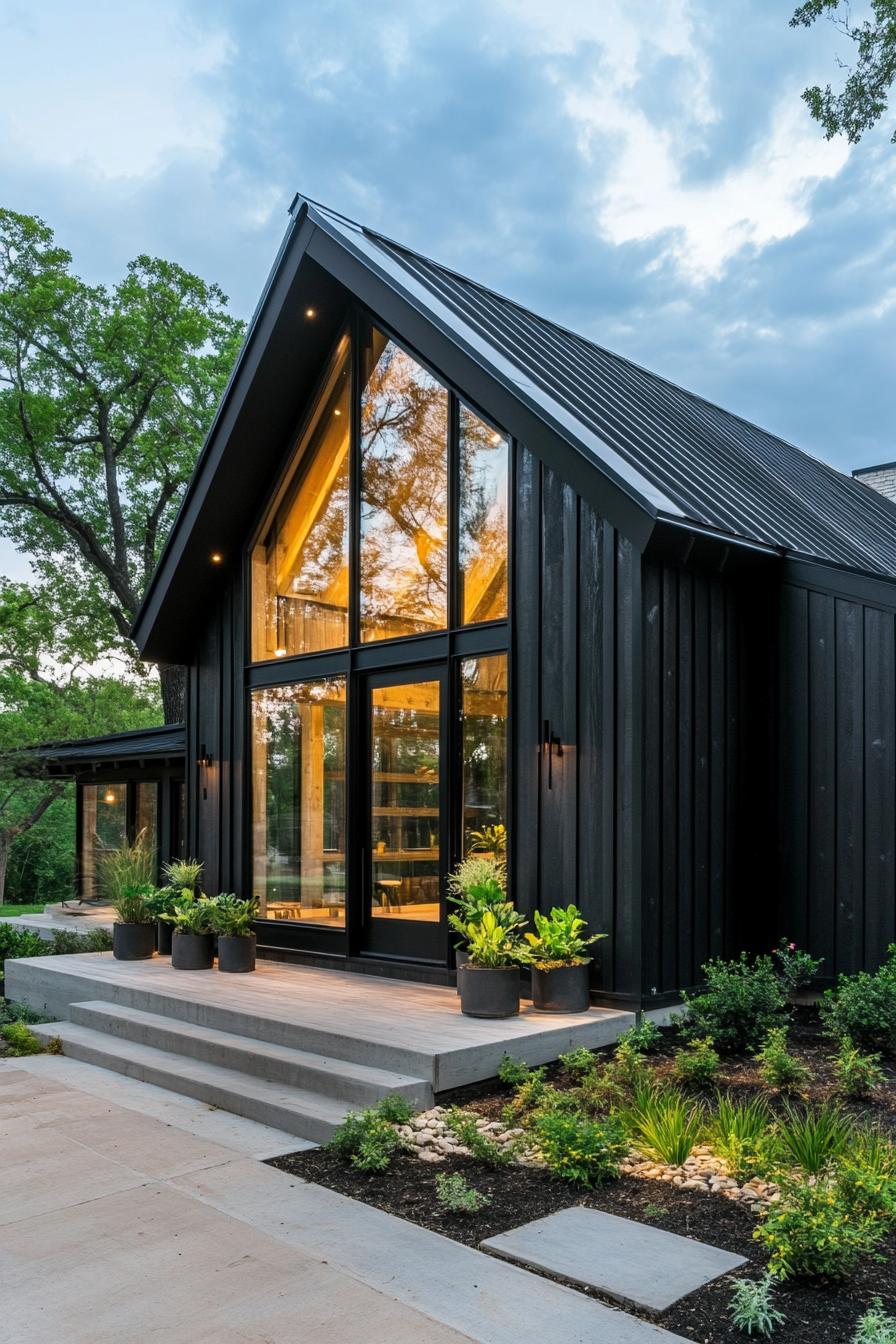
(791, 947)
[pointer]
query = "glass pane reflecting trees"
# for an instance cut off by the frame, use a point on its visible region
(404, 495)
(104, 827)
(484, 752)
(300, 567)
(482, 540)
(298, 801)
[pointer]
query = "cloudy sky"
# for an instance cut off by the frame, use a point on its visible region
(640, 170)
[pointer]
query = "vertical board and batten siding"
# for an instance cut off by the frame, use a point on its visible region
(837, 777)
(692, 762)
(577, 632)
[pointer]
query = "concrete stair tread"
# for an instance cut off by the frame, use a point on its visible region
(100, 1014)
(301, 1112)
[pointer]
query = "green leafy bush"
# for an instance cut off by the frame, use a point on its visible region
(64, 942)
(664, 1124)
(481, 1145)
(395, 1109)
(795, 966)
(857, 1075)
(813, 1230)
(455, 1195)
(579, 1062)
(862, 1008)
(740, 1133)
(643, 1038)
(875, 1326)
(815, 1138)
(559, 938)
(627, 1069)
(512, 1071)
(20, 1040)
(368, 1139)
(697, 1064)
(585, 1152)
(11, 1011)
(777, 1067)
(742, 1001)
(531, 1094)
(751, 1306)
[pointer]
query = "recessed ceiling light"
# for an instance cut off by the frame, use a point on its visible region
(216, 557)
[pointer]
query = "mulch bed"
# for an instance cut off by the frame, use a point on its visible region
(815, 1311)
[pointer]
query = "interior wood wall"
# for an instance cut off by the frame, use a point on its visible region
(837, 776)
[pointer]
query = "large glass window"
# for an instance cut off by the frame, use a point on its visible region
(298, 801)
(104, 827)
(484, 748)
(482, 562)
(300, 566)
(404, 495)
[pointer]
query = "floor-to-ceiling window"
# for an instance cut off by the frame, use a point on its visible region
(378, 649)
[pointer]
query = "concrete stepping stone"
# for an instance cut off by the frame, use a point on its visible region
(636, 1264)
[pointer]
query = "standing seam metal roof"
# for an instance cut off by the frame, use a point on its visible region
(720, 470)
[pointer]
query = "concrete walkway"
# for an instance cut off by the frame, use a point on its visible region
(130, 1215)
(62, 918)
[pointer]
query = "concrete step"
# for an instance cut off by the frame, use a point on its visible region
(357, 1085)
(292, 1109)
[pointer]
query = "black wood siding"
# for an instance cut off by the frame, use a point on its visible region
(577, 638)
(693, 763)
(837, 776)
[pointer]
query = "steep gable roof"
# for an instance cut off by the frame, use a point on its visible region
(660, 452)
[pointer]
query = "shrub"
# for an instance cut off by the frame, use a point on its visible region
(10, 1011)
(394, 1109)
(741, 1134)
(777, 1067)
(857, 1074)
(644, 1038)
(585, 1152)
(697, 1064)
(813, 1230)
(367, 1140)
(875, 1326)
(742, 1001)
(455, 1195)
(867, 1174)
(627, 1069)
(862, 1009)
(529, 1095)
(795, 967)
(513, 1071)
(751, 1306)
(94, 940)
(579, 1062)
(20, 1040)
(664, 1125)
(814, 1139)
(21, 943)
(481, 1145)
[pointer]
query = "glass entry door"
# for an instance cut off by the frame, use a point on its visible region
(405, 840)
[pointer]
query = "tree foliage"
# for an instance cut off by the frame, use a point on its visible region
(105, 398)
(863, 99)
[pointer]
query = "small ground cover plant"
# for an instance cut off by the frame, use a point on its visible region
(777, 1066)
(742, 1001)
(481, 1145)
(20, 1040)
(875, 1326)
(644, 1038)
(579, 1062)
(857, 1075)
(369, 1139)
(513, 1071)
(697, 1064)
(751, 1306)
(455, 1195)
(862, 1008)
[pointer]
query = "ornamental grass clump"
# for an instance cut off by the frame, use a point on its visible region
(777, 1067)
(697, 1064)
(456, 1196)
(742, 1001)
(582, 1151)
(814, 1138)
(664, 1124)
(130, 866)
(862, 1008)
(751, 1307)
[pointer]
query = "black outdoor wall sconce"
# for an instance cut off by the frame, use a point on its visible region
(550, 746)
(204, 760)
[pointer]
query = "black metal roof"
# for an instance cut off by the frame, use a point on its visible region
(167, 742)
(705, 464)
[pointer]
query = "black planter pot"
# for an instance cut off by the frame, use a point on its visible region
(192, 951)
(561, 990)
(163, 937)
(133, 942)
(489, 991)
(236, 954)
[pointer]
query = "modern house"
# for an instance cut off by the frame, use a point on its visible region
(449, 575)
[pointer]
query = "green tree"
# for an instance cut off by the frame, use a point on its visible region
(105, 398)
(45, 699)
(863, 99)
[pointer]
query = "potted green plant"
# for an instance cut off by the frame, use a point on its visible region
(181, 884)
(231, 920)
(133, 933)
(488, 979)
(558, 955)
(192, 943)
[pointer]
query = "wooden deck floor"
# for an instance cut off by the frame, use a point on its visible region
(348, 1015)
